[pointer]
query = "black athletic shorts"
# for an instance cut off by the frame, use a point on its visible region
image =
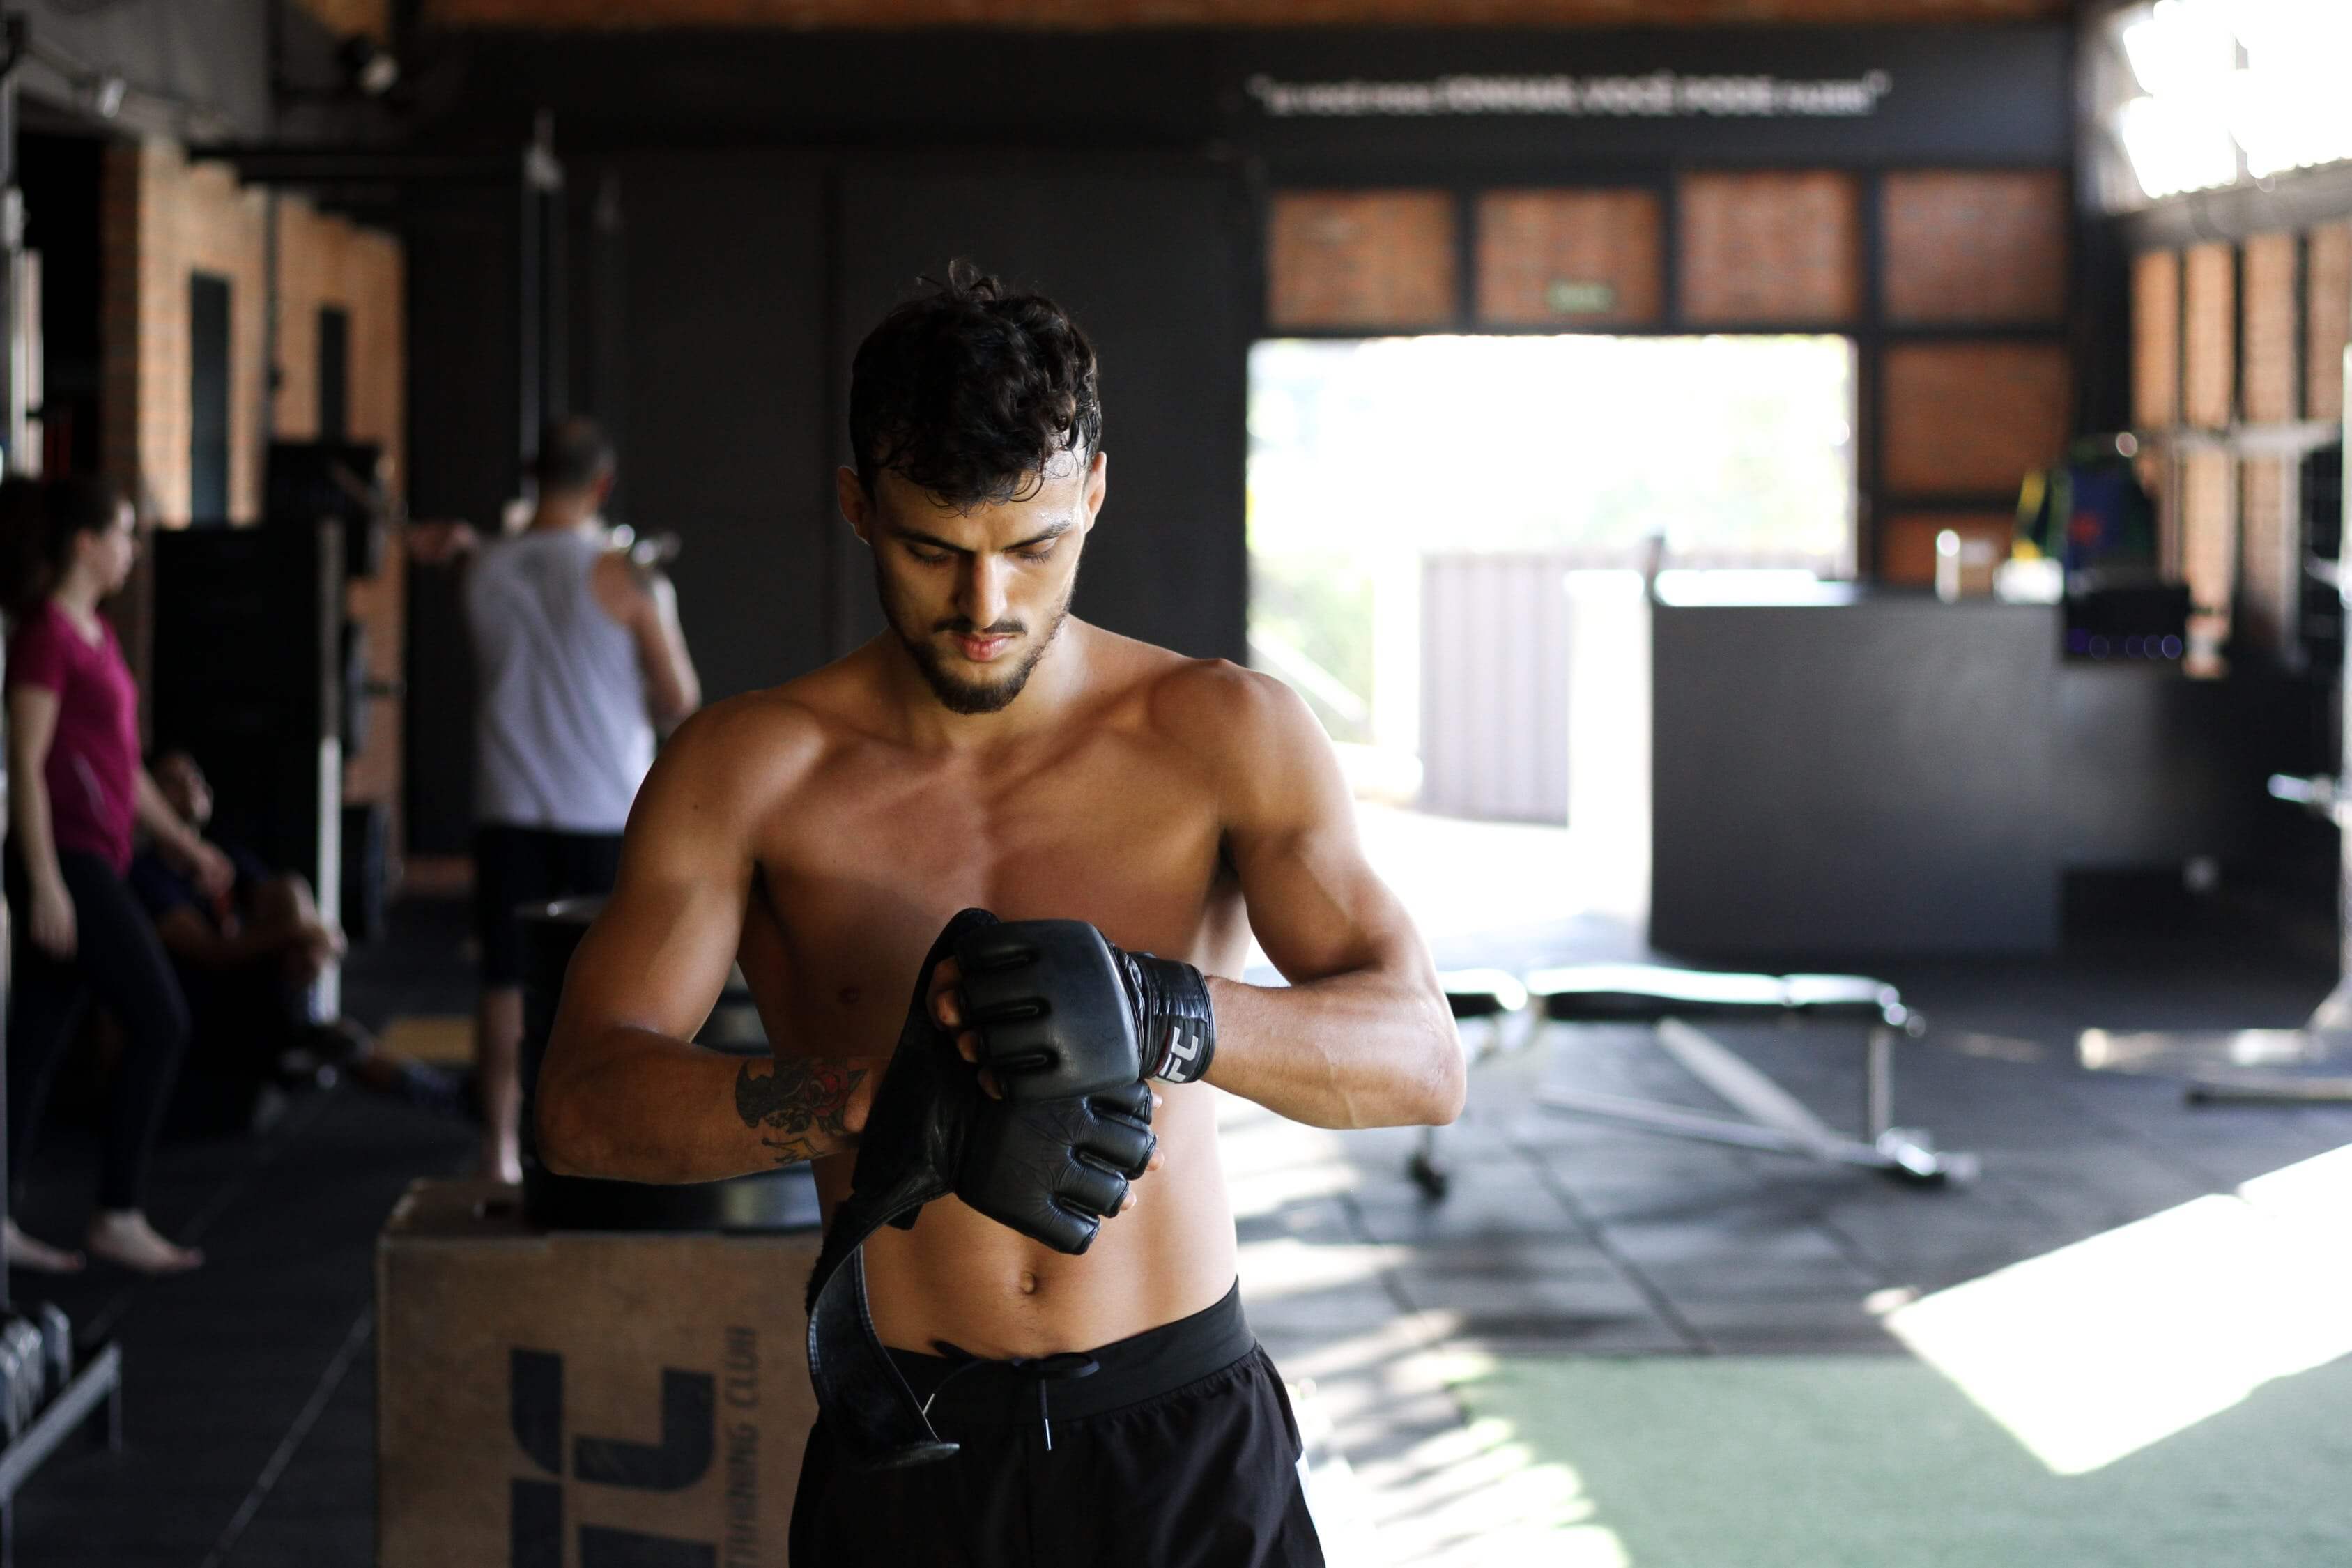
(519, 866)
(1178, 1450)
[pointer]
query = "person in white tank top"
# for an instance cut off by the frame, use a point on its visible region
(580, 661)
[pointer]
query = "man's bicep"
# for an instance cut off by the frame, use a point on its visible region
(1315, 903)
(659, 953)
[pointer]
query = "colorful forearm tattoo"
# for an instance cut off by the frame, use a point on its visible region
(800, 1102)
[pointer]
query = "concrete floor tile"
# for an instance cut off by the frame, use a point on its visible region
(1829, 1321)
(1570, 1311)
(312, 1542)
(1483, 1201)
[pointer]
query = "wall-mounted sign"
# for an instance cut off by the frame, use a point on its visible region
(1422, 105)
(1567, 296)
(1655, 95)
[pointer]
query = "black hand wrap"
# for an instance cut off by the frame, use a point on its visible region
(1049, 1169)
(1062, 1012)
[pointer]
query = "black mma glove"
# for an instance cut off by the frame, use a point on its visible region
(907, 1154)
(1048, 1170)
(1060, 1012)
(1052, 1169)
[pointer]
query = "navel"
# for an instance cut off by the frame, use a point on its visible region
(849, 995)
(1028, 1283)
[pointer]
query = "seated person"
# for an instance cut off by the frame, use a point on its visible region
(246, 960)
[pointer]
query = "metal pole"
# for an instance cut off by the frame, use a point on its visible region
(540, 259)
(1878, 1083)
(527, 314)
(12, 41)
(13, 413)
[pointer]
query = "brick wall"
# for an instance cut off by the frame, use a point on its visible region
(2156, 339)
(1783, 248)
(2209, 349)
(1980, 249)
(2327, 274)
(1542, 255)
(324, 261)
(1361, 259)
(160, 220)
(2224, 334)
(2268, 384)
(163, 219)
(1971, 418)
(1108, 13)
(2209, 541)
(2268, 551)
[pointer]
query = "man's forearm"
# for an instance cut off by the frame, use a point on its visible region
(1363, 1049)
(641, 1107)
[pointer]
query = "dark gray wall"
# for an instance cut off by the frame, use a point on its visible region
(722, 416)
(463, 458)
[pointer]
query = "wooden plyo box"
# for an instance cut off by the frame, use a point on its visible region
(571, 1399)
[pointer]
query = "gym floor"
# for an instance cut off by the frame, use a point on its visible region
(1562, 1245)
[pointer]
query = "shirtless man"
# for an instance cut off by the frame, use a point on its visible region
(991, 751)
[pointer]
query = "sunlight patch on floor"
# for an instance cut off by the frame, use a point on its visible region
(2096, 1350)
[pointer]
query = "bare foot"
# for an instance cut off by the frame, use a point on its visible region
(123, 1237)
(24, 1252)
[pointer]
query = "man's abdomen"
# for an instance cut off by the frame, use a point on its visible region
(993, 1292)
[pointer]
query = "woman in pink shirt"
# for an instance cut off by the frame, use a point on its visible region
(78, 790)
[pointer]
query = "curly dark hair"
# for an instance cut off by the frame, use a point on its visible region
(970, 390)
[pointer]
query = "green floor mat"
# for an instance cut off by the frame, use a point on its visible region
(1879, 1462)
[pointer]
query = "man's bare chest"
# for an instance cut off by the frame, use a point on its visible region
(859, 884)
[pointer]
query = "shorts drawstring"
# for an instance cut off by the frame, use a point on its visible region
(1059, 1367)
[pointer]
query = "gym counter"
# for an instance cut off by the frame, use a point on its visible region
(1842, 769)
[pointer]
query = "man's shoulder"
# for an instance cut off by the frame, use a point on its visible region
(774, 727)
(1251, 733)
(1215, 704)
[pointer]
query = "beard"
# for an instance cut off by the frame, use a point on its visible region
(956, 694)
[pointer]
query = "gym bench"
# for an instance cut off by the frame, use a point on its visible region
(1770, 1118)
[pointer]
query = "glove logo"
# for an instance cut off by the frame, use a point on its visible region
(1177, 1053)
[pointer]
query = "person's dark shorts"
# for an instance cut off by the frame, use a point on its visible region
(519, 866)
(1177, 1451)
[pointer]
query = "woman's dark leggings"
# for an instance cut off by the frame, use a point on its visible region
(118, 959)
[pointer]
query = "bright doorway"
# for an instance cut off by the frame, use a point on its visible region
(1417, 506)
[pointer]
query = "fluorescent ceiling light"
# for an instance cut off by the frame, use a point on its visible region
(2177, 145)
(2285, 106)
(2180, 46)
